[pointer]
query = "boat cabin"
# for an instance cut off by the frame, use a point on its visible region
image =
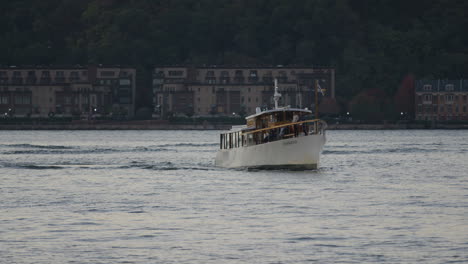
(271, 125)
(276, 117)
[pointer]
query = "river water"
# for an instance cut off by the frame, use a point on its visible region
(156, 197)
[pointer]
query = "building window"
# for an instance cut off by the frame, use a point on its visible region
(176, 73)
(107, 73)
(22, 99)
(4, 99)
(449, 98)
(210, 80)
(427, 87)
(428, 97)
(449, 87)
(248, 99)
(441, 109)
(125, 82)
(464, 109)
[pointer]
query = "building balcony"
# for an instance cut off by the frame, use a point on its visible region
(31, 80)
(59, 79)
(45, 80)
(239, 79)
(17, 80)
(225, 80)
(253, 79)
(210, 80)
(282, 79)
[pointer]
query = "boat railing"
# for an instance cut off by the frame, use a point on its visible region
(264, 135)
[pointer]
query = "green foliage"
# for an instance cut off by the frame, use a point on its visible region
(370, 43)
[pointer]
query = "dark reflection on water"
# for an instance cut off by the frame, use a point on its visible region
(155, 197)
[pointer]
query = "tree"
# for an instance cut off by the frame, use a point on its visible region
(405, 97)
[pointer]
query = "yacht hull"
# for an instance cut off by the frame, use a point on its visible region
(294, 153)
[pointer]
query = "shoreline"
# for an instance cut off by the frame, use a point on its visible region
(164, 125)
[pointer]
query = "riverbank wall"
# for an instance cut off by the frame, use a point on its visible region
(165, 125)
(127, 125)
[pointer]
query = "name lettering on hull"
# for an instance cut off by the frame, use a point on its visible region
(290, 142)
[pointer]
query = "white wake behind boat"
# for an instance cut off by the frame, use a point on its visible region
(282, 138)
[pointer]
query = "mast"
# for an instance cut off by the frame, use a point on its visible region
(277, 95)
(316, 99)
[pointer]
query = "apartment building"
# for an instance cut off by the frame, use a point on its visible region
(67, 91)
(441, 100)
(221, 90)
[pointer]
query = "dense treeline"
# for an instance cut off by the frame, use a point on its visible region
(373, 44)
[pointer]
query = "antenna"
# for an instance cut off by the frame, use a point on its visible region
(277, 95)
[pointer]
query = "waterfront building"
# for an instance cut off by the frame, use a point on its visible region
(441, 100)
(67, 91)
(234, 90)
